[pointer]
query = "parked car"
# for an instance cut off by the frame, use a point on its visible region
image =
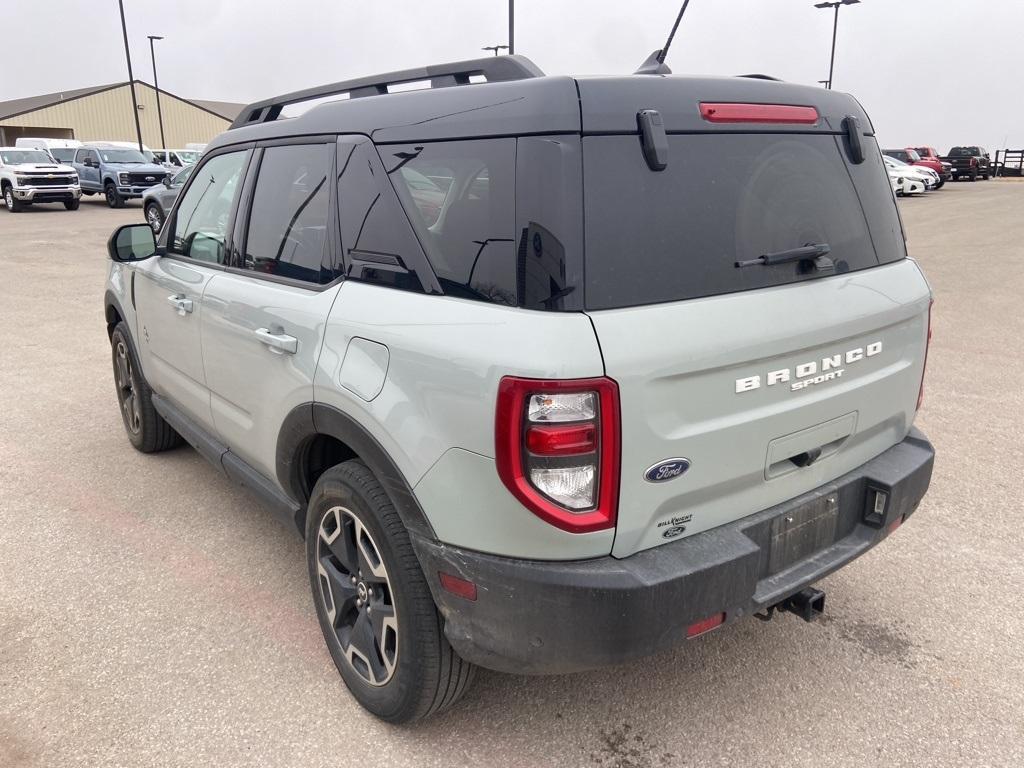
(912, 181)
(61, 150)
(176, 158)
(158, 200)
(930, 155)
(910, 156)
(616, 394)
(119, 173)
(969, 162)
(29, 176)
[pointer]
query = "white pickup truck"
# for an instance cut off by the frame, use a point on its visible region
(30, 176)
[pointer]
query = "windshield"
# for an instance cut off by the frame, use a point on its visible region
(963, 151)
(188, 156)
(122, 156)
(63, 154)
(893, 161)
(923, 151)
(913, 156)
(18, 156)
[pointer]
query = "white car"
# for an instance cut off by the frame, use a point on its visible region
(29, 175)
(176, 158)
(61, 150)
(911, 179)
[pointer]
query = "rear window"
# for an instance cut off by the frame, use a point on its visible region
(677, 234)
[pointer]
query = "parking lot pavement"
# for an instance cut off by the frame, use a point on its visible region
(152, 614)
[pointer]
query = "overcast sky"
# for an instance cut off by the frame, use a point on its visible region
(936, 72)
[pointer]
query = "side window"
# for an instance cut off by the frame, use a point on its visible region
(201, 222)
(461, 197)
(182, 176)
(378, 244)
(288, 221)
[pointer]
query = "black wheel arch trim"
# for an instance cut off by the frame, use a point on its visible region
(305, 422)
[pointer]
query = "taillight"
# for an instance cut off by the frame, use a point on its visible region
(927, 345)
(557, 449)
(727, 112)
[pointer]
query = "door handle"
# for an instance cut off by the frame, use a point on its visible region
(180, 303)
(278, 343)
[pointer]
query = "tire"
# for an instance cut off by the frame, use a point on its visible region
(13, 205)
(146, 428)
(154, 217)
(940, 185)
(409, 671)
(984, 177)
(71, 205)
(973, 176)
(114, 199)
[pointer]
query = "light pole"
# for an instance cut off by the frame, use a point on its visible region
(156, 84)
(511, 27)
(835, 28)
(494, 48)
(131, 77)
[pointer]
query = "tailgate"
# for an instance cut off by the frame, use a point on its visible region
(745, 386)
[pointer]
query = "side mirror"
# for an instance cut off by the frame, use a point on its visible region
(167, 181)
(132, 242)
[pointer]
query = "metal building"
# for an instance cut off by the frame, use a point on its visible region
(104, 113)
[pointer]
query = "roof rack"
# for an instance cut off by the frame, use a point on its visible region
(758, 76)
(492, 68)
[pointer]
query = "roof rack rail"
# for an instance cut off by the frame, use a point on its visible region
(492, 68)
(758, 76)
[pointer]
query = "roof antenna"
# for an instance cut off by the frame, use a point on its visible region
(655, 63)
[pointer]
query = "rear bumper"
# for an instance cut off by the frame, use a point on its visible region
(540, 617)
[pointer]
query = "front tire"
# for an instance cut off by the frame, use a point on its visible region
(71, 205)
(375, 609)
(154, 217)
(12, 204)
(146, 428)
(114, 199)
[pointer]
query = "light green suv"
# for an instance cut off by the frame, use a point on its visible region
(550, 373)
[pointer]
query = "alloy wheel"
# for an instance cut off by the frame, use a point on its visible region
(357, 596)
(127, 394)
(9, 199)
(154, 218)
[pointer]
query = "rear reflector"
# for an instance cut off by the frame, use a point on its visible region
(563, 440)
(927, 346)
(705, 625)
(457, 586)
(758, 113)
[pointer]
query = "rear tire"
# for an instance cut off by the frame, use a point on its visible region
(396, 662)
(146, 428)
(114, 199)
(71, 205)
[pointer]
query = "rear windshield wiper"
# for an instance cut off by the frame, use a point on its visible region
(813, 253)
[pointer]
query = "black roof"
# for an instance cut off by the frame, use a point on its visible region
(525, 102)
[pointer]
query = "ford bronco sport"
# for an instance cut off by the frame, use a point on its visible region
(551, 373)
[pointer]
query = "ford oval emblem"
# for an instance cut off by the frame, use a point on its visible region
(666, 470)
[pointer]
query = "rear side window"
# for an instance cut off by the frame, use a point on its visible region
(287, 234)
(460, 196)
(677, 234)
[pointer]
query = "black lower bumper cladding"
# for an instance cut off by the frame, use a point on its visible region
(540, 617)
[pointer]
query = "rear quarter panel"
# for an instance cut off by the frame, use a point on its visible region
(434, 413)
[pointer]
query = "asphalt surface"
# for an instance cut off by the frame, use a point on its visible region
(152, 614)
